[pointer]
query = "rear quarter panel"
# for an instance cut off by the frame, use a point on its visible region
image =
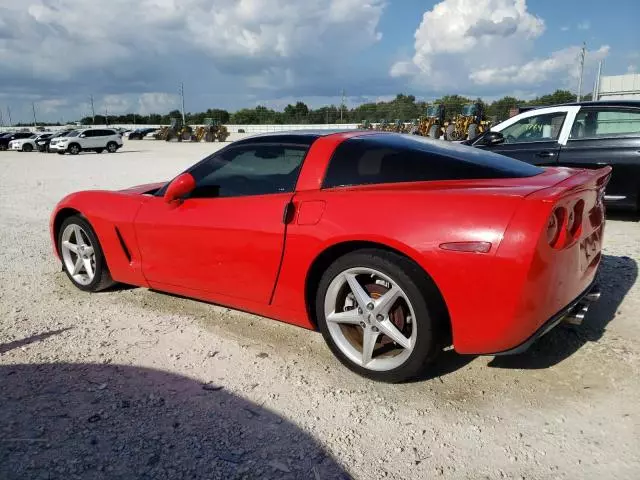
(414, 222)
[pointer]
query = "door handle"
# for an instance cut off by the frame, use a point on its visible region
(545, 154)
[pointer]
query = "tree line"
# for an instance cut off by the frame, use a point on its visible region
(402, 107)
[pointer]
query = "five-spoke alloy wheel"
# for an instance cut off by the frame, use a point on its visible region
(81, 255)
(372, 309)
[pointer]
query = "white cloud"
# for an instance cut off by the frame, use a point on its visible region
(584, 25)
(561, 63)
(632, 68)
(564, 28)
(157, 102)
(460, 35)
(486, 45)
(56, 39)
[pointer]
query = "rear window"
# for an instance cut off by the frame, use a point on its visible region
(379, 159)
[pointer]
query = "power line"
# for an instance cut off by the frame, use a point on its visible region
(33, 107)
(182, 95)
(93, 110)
(583, 52)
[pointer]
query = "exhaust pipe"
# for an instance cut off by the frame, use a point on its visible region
(579, 312)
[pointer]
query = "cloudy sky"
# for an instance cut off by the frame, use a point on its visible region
(132, 55)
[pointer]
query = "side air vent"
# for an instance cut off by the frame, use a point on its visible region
(125, 250)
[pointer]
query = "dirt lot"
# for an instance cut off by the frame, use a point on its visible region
(132, 383)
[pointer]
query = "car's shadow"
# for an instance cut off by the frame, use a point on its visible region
(95, 421)
(623, 216)
(616, 276)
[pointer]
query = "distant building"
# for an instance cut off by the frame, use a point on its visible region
(619, 87)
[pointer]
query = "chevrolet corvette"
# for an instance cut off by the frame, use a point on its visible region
(394, 247)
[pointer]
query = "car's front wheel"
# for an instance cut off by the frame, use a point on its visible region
(27, 147)
(82, 256)
(74, 149)
(379, 313)
(112, 147)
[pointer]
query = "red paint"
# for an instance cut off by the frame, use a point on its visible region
(180, 186)
(238, 251)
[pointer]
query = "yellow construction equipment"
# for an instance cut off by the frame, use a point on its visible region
(469, 124)
(431, 124)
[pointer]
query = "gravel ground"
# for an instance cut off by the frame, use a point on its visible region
(132, 383)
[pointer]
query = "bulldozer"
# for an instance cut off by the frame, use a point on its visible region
(470, 123)
(382, 126)
(211, 131)
(431, 124)
(176, 131)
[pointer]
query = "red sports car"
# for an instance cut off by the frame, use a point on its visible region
(393, 246)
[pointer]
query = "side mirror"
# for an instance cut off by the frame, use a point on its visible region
(492, 138)
(82, 136)
(179, 188)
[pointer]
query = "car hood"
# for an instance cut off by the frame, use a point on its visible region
(146, 188)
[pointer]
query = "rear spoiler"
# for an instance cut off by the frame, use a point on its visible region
(584, 179)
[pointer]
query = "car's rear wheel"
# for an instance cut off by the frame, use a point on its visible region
(112, 147)
(27, 147)
(82, 257)
(74, 149)
(373, 309)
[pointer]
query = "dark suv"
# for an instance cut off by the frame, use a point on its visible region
(581, 135)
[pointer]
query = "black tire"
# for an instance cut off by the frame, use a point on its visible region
(448, 134)
(112, 147)
(99, 150)
(431, 317)
(27, 147)
(473, 131)
(74, 149)
(102, 278)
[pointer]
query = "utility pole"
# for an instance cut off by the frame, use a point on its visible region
(341, 105)
(1, 119)
(184, 122)
(583, 52)
(9, 115)
(596, 86)
(93, 110)
(33, 107)
(106, 116)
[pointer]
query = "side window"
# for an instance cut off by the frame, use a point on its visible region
(244, 171)
(365, 162)
(89, 133)
(538, 128)
(594, 123)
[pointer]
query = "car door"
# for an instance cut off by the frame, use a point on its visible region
(227, 237)
(534, 138)
(608, 135)
(98, 139)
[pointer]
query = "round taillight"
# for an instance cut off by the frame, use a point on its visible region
(554, 226)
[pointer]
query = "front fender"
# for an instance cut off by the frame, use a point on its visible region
(111, 215)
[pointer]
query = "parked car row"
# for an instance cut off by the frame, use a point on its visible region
(66, 141)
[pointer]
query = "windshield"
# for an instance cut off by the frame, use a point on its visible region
(33, 136)
(73, 133)
(469, 110)
(433, 111)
